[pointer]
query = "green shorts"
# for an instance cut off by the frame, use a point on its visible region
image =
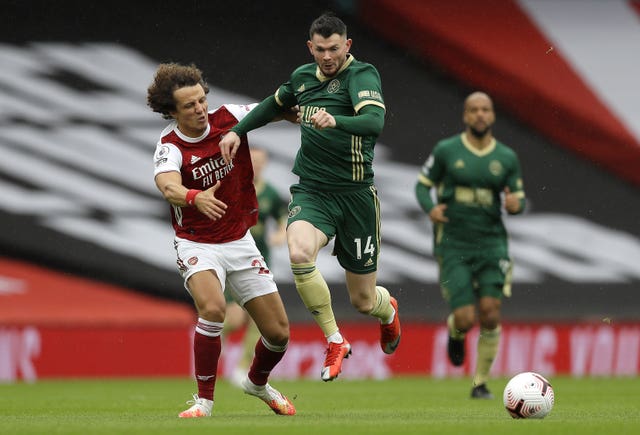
(466, 275)
(352, 217)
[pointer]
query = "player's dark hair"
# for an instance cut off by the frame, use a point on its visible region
(326, 25)
(168, 78)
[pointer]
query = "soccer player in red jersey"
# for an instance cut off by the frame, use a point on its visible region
(213, 205)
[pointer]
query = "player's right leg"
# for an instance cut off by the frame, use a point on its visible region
(488, 341)
(455, 342)
(315, 295)
(491, 279)
(206, 291)
(457, 290)
(305, 240)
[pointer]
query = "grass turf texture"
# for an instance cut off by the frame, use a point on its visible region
(396, 406)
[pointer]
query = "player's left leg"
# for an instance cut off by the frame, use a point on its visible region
(456, 344)
(488, 343)
(252, 285)
(368, 298)
(357, 248)
(268, 313)
(493, 272)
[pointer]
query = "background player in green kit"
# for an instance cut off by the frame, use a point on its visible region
(473, 174)
(273, 208)
(341, 111)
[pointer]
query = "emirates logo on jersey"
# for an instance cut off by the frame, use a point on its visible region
(210, 171)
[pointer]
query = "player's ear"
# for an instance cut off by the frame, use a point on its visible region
(310, 46)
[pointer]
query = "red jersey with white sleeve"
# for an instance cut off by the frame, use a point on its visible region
(200, 163)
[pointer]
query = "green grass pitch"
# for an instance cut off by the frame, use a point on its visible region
(405, 405)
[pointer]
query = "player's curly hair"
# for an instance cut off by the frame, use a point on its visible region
(326, 25)
(168, 78)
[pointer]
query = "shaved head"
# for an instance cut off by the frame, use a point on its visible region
(477, 97)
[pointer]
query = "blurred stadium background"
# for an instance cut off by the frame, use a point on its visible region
(87, 276)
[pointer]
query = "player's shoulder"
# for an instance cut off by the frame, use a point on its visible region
(168, 129)
(450, 142)
(306, 69)
(358, 67)
(361, 65)
(168, 134)
(447, 147)
(505, 149)
(229, 113)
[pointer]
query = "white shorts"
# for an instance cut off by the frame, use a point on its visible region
(239, 265)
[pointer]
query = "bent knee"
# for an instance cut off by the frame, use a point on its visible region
(490, 321)
(277, 333)
(464, 323)
(212, 312)
(300, 256)
(278, 338)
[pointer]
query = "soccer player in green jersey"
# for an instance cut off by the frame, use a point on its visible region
(474, 176)
(341, 114)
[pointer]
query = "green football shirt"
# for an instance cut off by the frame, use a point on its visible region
(271, 206)
(333, 159)
(470, 182)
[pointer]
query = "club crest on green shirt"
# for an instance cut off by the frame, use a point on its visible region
(495, 167)
(333, 86)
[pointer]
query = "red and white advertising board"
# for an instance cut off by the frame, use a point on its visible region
(54, 325)
(37, 352)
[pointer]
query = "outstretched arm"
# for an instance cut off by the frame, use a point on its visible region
(265, 112)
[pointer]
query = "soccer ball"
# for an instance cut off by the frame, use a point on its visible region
(528, 395)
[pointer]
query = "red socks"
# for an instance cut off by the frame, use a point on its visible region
(264, 360)
(206, 351)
